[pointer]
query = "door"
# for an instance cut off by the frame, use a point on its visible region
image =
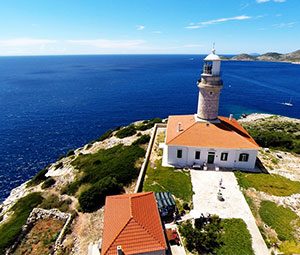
(210, 158)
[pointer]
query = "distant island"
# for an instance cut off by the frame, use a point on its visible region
(293, 57)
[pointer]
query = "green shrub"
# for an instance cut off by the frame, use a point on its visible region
(59, 165)
(126, 131)
(106, 135)
(93, 198)
(53, 201)
(48, 183)
(38, 178)
(10, 230)
(118, 162)
(142, 140)
(203, 238)
(70, 153)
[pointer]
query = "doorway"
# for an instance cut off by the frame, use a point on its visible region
(211, 157)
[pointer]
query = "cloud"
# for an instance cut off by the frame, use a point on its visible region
(265, 1)
(244, 6)
(23, 42)
(140, 27)
(216, 21)
(284, 25)
(108, 44)
(156, 32)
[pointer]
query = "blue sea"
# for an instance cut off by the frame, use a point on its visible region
(51, 104)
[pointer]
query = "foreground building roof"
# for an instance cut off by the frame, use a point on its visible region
(184, 130)
(132, 221)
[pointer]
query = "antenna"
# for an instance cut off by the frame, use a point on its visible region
(213, 48)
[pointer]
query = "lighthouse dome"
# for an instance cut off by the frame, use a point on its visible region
(212, 57)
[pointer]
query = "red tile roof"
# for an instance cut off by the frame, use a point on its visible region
(133, 222)
(225, 134)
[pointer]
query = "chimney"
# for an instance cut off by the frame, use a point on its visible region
(230, 116)
(179, 127)
(119, 250)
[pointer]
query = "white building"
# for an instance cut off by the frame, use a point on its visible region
(206, 139)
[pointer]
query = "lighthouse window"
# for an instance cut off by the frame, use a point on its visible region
(244, 157)
(179, 153)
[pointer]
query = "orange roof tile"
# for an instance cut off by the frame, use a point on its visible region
(133, 222)
(226, 134)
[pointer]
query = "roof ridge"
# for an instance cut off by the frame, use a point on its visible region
(143, 227)
(118, 235)
(182, 132)
(241, 129)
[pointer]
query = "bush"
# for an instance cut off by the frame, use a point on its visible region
(106, 135)
(93, 198)
(38, 178)
(126, 131)
(53, 201)
(118, 162)
(204, 238)
(70, 153)
(48, 183)
(142, 140)
(10, 230)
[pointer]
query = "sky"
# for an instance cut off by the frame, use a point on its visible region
(59, 27)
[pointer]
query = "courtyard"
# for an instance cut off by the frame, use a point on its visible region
(206, 185)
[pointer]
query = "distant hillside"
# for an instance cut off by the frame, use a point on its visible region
(243, 56)
(270, 56)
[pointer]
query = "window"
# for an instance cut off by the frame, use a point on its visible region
(244, 157)
(197, 154)
(179, 153)
(224, 156)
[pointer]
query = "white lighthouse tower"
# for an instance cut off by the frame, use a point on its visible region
(210, 85)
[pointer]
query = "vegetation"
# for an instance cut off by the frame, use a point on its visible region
(126, 131)
(216, 236)
(94, 197)
(142, 140)
(41, 238)
(48, 183)
(279, 218)
(236, 238)
(116, 165)
(205, 237)
(106, 135)
(53, 201)
(38, 178)
(275, 133)
(169, 179)
(10, 230)
(272, 184)
(132, 129)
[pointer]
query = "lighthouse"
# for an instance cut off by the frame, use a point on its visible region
(210, 85)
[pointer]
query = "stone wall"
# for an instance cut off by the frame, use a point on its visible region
(40, 214)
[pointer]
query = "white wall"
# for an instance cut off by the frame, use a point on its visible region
(188, 157)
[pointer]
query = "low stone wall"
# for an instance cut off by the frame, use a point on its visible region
(40, 214)
(141, 176)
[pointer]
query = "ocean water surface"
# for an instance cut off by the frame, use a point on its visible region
(49, 105)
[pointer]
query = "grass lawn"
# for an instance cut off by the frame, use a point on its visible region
(280, 219)
(272, 184)
(10, 230)
(236, 238)
(168, 179)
